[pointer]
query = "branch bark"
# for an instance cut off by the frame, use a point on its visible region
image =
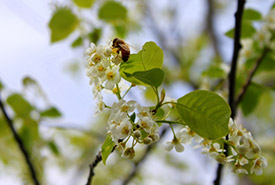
(98, 159)
(20, 144)
(92, 166)
(232, 74)
(250, 76)
(210, 27)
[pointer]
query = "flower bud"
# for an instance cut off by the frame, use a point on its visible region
(129, 153)
(148, 140)
(137, 133)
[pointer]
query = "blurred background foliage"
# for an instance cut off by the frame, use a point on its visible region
(194, 59)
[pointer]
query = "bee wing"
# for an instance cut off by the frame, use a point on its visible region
(125, 47)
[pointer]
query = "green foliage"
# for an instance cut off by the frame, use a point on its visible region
(29, 133)
(112, 11)
(121, 30)
(251, 15)
(107, 148)
(52, 112)
(62, 24)
(153, 77)
(214, 72)
(20, 106)
(77, 42)
(53, 147)
(28, 81)
(247, 30)
(151, 56)
(206, 113)
(1, 86)
(84, 3)
(133, 117)
(95, 35)
(251, 98)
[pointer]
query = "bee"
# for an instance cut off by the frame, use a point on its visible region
(122, 47)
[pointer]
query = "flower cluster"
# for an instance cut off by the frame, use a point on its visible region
(128, 120)
(263, 37)
(123, 127)
(102, 69)
(130, 123)
(242, 150)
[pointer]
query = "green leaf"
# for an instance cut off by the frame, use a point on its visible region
(95, 35)
(214, 72)
(29, 133)
(1, 86)
(112, 11)
(28, 81)
(84, 3)
(20, 106)
(77, 42)
(53, 147)
(153, 77)
(133, 117)
(107, 148)
(151, 56)
(51, 112)
(251, 15)
(62, 24)
(247, 30)
(121, 30)
(251, 98)
(206, 113)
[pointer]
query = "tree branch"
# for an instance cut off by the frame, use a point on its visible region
(232, 74)
(250, 76)
(20, 144)
(98, 159)
(142, 159)
(210, 27)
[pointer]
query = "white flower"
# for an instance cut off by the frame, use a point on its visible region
(90, 50)
(147, 124)
(187, 135)
(175, 143)
(143, 112)
(247, 146)
(263, 36)
(101, 68)
(238, 168)
(112, 77)
(247, 48)
(100, 106)
(258, 165)
(270, 19)
(117, 59)
(119, 126)
(214, 150)
(124, 106)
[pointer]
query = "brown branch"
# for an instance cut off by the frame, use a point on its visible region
(232, 74)
(210, 27)
(250, 76)
(142, 159)
(98, 159)
(20, 144)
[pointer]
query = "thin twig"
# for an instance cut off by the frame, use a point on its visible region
(210, 27)
(20, 144)
(250, 76)
(232, 74)
(98, 158)
(92, 166)
(142, 159)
